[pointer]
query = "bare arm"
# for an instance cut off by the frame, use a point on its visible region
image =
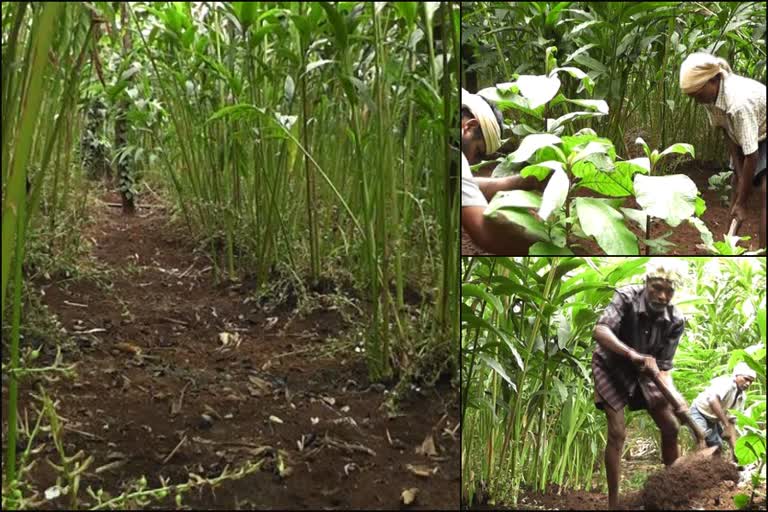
(490, 186)
(717, 408)
(491, 236)
(609, 341)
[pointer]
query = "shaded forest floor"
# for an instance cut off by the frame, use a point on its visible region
(685, 237)
(176, 376)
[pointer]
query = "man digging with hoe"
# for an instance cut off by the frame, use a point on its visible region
(637, 337)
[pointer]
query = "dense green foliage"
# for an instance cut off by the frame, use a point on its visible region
(631, 50)
(527, 391)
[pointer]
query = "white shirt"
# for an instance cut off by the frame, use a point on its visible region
(470, 191)
(740, 110)
(726, 390)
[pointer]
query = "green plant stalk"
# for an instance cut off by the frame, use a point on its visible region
(531, 341)
(14, 192)
(13, 385)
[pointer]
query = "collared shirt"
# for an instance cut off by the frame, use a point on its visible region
(471, 195)
(740, 110)
(616, 377)
(726, 390)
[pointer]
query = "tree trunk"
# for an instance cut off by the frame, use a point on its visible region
(125, 179)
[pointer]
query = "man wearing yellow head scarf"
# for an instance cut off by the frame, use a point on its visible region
(735, 104)
(481, 126)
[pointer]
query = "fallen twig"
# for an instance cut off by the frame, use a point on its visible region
(173, 452)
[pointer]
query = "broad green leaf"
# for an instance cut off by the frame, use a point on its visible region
(510, 100)
(749, 448)
(530, 144)
(554, 194)
(639, 217)
(761, 322)
(616, 182)
(538, 89)
(541, 170)
(516, 199)
(532, 226)
(606, 224)
(680, 148)
(555, 124)
(671, 198)
(590, 149)
(740, 501)
(598, 105)
(548, 249)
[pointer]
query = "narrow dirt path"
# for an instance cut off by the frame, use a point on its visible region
(158, 393)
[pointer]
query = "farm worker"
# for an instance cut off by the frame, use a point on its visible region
(481, 125)
(637, 334)
(735, 104)
(723, 393)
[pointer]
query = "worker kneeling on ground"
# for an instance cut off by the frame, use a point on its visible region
(637, 336)
(481, 126)
(725, 392)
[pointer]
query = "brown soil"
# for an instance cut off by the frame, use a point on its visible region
(691, 484)
(684, 237)
(158, 339)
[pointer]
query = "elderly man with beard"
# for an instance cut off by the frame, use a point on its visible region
(637, 335)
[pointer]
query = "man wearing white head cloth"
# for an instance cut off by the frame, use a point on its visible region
(481, 125)
(735, 104)
(723, 393)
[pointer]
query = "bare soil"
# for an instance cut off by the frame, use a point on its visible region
(690, 484)
(684, 237)
(154, 376)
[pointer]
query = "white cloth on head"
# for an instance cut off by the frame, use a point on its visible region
(671, 269)
(700, 67)
(743, 368)
(489, 125)
(725, 389)
(470, 191)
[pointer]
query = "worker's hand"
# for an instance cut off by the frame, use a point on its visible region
(646, 363)
(683, 409)
(730, 433)
(738, 212)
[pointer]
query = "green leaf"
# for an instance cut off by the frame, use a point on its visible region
(671, 198)
(318, 63)
(532, 226)
(516, 199)
(760, 319)
(639, 217)
(541, 170)
(748, 448)
(339, 28)
(235, 111)
(495, 366)
(700, 207)
(555, 124)
(530, 144)
(680, 148)
(600, 220)
(479, 291)
(706, 234)
(597, 105)
(538, 89)
(505, 100)
(548, 249)
(616, 182)
(554, 194)
(740, 500)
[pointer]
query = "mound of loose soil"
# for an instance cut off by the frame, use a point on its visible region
(677, 486)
